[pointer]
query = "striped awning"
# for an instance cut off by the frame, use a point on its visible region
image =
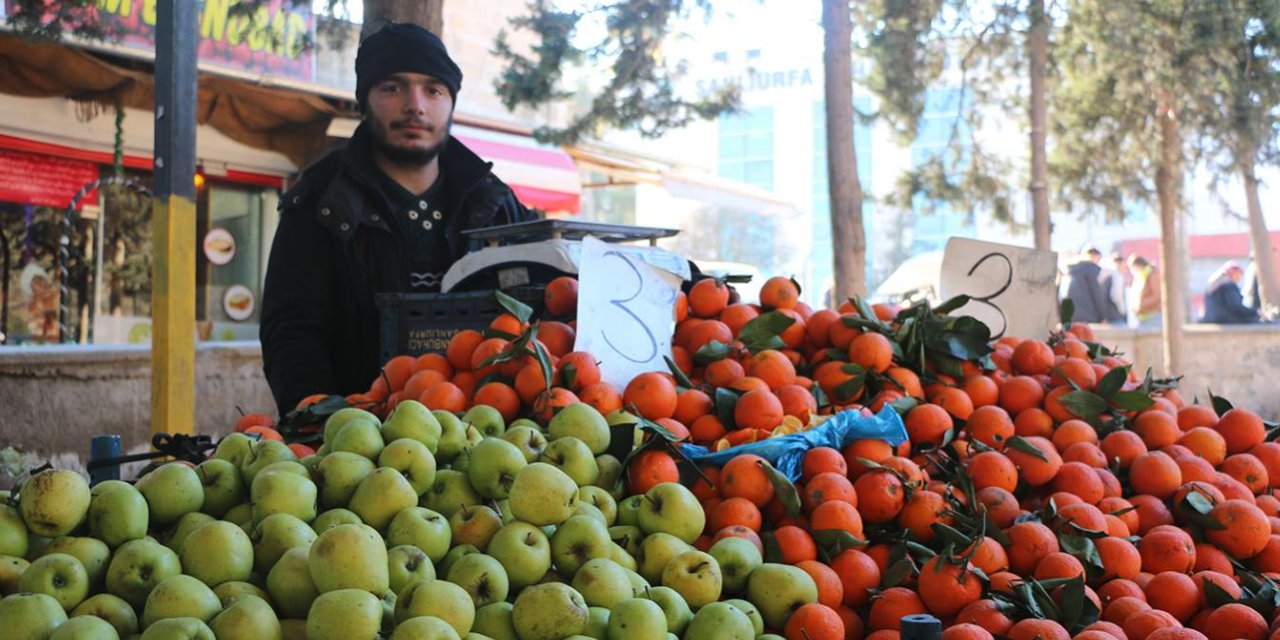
(543, 177)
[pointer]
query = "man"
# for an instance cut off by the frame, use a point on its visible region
(1084, 287)
(1144, 294)
(1115, 281)
(1223, 302)
(385, 214)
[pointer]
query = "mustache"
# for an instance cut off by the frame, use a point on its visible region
(416, 123)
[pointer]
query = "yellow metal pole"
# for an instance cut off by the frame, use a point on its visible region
(173, 222)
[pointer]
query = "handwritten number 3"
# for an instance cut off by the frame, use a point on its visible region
(621, 304)
(987, 299)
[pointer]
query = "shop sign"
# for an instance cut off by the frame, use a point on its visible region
(272, 40)
(44, 181)
(219, 246)
(238, 302)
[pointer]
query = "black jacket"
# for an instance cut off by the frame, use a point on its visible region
(1086, 292)
(334, 250)
(1225, 305)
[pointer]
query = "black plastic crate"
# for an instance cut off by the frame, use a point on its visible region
(417, 323)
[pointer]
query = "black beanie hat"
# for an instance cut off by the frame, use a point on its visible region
(403, 48)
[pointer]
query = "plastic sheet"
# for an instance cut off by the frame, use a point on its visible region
(785, 453)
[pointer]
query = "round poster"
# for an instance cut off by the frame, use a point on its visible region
(219, 246)
(238, 302)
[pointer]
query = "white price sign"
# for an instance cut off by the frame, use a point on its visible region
(1012, 288)
(626, 312)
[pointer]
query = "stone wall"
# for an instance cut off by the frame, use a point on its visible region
(1240, 363)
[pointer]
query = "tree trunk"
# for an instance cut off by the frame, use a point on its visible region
(1260, 240)
(848, 238)
(1038, 46)
(1173, 277)
(427, 13)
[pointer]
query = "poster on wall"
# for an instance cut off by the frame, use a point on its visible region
(238, 302)
(219, 246)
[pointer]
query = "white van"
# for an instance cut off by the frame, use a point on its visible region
(916, 279)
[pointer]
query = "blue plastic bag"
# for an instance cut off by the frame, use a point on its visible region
(786, 453)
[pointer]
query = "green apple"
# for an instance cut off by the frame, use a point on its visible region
(602, 583)
(11, 570)
(439, 598)
(137, 567)
(338, 476)
(54, 502)
(381, 495)
(249, 618)
(30, 615)
(486, 419)
(494, 620)
(696, 576)
(290, 585)
(223, 486)
(475, 526)
(58, 575)
(412, 419)
(482, 577)
(179, 629)
(524, 551)
(656, 550)
(737, 558)
(311, 463)
(85, 628)
(672, 508)
(639, 586)
(753, 614)
(13, 532)
(413, 460)
(453, 435)
(349, 556)
(637, 619)
(119, 515)
(234, 448)
(620, 416)
(597, 626)
(601, 500)
(629, 510)
(620, 556)
(229, 592)
(529, 440)
(276, 491)
(610, 472)
(581, 421)
(462, 462)
(777, 590)
(542, 495)
(627, 537)
(262, 455)
(407, 563)
(172, 490)
(218, 552)
(180, 597)
(92, 553)
(276, 534)
(333, 518)
(240, 515)
(104, 486)
(425, 628)
(341, 417)
(189, 522)
(549, 612)
(573, 457)
(115, 611)
(590, 510)
(451, 492)
(455, 554)
(579, 539)
(719, 620)
(287, 466)
(422, 528)
(345, 614)
(494, 466)
(673, 606)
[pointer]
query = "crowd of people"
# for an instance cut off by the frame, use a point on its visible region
(1126, 291)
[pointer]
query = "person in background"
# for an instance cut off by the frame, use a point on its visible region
(1144, 294)
(1115, 281)
(1251, 289)
(1223, 301)
(1084, 286)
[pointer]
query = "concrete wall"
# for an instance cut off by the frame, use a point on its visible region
(53, 399)
(1240, 363)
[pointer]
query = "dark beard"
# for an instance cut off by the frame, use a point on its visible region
(412, 157)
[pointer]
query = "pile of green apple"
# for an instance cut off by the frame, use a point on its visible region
(429, 526)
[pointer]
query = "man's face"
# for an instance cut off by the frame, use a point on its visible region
(410, 115)
(1236, 275)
